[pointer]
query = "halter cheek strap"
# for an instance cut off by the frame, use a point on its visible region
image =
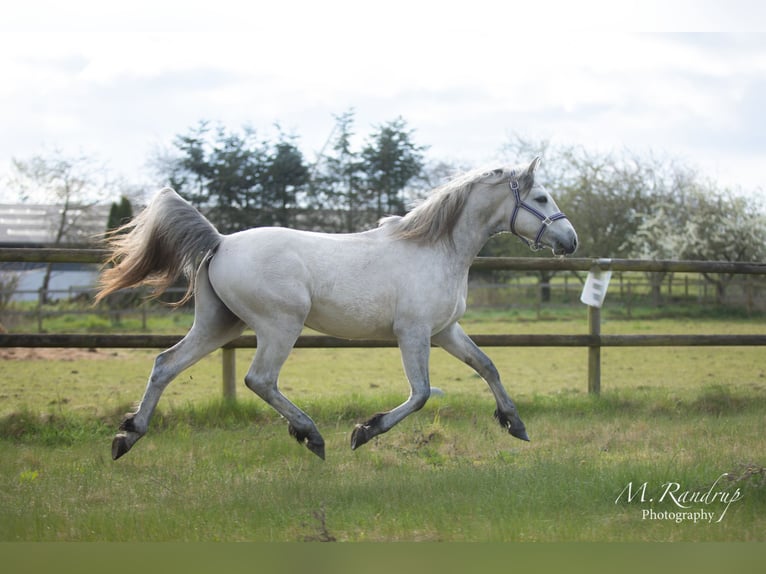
(545, 220)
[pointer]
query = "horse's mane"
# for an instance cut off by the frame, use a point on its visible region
(436, 216)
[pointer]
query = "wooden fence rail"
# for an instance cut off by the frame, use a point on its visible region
(593, 340)
(53, 255)
(106, 341)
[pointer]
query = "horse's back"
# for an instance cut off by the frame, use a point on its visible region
(280, 250)
(342, 284)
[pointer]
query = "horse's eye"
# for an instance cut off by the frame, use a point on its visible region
(542, 200)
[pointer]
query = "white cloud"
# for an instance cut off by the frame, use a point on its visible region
(116, 80)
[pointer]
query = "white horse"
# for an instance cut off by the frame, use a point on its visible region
(404, 280)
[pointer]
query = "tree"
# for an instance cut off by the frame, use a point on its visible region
(189, 173)
(119, 214)
(656, 235)
(236, 167)
(391, 161)
(67, 182)
(337, 181)
(361, 187)
(284, 178)
(723, 226)
(220, 173)
(237, 180)
(241, 182)
(694, 219)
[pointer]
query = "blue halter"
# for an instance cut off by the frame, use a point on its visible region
(545, 220)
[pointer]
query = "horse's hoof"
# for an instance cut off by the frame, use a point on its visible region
(364, 432)
(123, 442)
(316, 447)
(359, 436)
(519, 433)
(315, 444)
(120, 446)
(516, 430)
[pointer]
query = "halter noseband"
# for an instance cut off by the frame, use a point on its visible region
(545, 220)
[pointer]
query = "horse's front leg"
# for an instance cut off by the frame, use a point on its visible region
(457, 343)
(415, 348)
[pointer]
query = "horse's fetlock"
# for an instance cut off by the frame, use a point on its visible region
(128, 424)
(299, 435)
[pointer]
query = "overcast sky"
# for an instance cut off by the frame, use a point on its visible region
(118, 80)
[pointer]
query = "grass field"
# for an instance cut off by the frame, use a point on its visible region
(668, 419)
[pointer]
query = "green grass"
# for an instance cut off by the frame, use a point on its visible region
(219, 471)
(213, 470)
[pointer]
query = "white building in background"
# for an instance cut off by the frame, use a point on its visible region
(33, 226)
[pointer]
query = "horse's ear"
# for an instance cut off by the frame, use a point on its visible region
(527, 178)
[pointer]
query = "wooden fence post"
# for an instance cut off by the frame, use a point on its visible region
(594, 350)
(229, 372)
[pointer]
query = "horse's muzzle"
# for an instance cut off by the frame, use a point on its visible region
(565, 247)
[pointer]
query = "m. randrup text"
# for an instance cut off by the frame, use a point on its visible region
(704, 501)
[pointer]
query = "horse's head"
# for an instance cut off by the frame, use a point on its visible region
(532, 214)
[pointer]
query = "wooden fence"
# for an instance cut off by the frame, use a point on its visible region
(593, 339)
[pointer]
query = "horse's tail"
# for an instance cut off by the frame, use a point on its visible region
(166, 239)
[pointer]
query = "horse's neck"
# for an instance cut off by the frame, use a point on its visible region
(473, 229)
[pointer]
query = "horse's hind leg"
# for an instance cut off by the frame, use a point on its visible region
(274, 346)
(455, 341)
(214, 325)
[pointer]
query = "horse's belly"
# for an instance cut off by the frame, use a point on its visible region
(350, 321)
(377, 314)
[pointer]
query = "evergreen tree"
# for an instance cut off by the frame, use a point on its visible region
(336, 181)
(119, 214)
(284, 178)
(391, 161)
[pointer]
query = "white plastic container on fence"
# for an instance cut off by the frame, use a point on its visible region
(594, 290)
